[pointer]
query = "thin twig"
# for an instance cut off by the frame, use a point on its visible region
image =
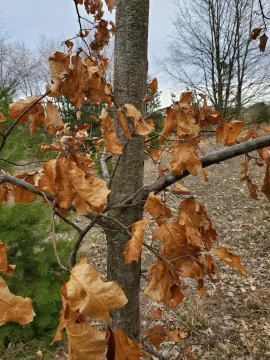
(68, 222)
(72, 259)
(29, 163)
(54, 235)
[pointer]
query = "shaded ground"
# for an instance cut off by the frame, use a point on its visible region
(233, 320)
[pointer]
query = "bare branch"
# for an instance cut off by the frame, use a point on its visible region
(211, 159)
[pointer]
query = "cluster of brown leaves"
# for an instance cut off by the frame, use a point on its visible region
(184, 251)
(87, 296)
(255, 33)
(12, 308)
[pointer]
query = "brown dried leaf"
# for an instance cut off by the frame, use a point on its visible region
(90, 188)
(14, 308)
(157, 314)
(141, 127)
(185, 157)
(5, 268)
(197, 223)
(89, 295)
(85, 342)
(134, 245)
(176, 336)
(53, 121)
(153, 86)
(156, 335)
(179, 189)
(169, 124)
(21, 195)
(18, 107)
(37, 119)
(205, 175)
(186, 97)
(109, 135)
(230, 259)
(125, 348)
(164, 285)
(156, 208)
(111, 4)
(263, 42)
(255, 33)
(123, 123)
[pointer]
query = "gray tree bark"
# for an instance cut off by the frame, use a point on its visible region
(130, 78)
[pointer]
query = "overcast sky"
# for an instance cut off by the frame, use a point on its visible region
(27, 19)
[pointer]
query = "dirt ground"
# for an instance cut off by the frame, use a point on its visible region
(233, 320)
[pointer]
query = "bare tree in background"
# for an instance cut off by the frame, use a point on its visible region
(211, 52)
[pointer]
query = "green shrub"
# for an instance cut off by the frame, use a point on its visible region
(26, 231)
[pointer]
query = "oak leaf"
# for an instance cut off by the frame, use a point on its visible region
(185, 157)
(109, 135)
(14, 308)
(229, 132)
(255, 33)
(89, 295)
(186, 97)
(123, 123)
(134, 245)
(164, 285)
(157, 314)
(156, 335)
(37, 119)
(19, 106)
(111, 4)
(169, 124)
(230, 259)
(157, 209)
(90, 188)
(153, 85)
(125, 348)
(53, 121)
(176, 336)
(141, 127)
(197, 223)
(179, 189)
(85, 342)
(263, 42)
(21, 195)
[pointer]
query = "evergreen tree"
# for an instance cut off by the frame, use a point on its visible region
(26, 231)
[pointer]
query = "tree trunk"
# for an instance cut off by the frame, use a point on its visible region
(130, 77)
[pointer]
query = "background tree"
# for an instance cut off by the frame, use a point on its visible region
(217, 57)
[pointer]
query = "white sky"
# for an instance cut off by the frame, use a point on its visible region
(27, 19)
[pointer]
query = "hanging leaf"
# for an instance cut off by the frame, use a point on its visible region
(14, 308)
(255, 33)
(157, 209)
(89, 295)
(230, 259)
(134, 245)
(263, 42)
(153, 85)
